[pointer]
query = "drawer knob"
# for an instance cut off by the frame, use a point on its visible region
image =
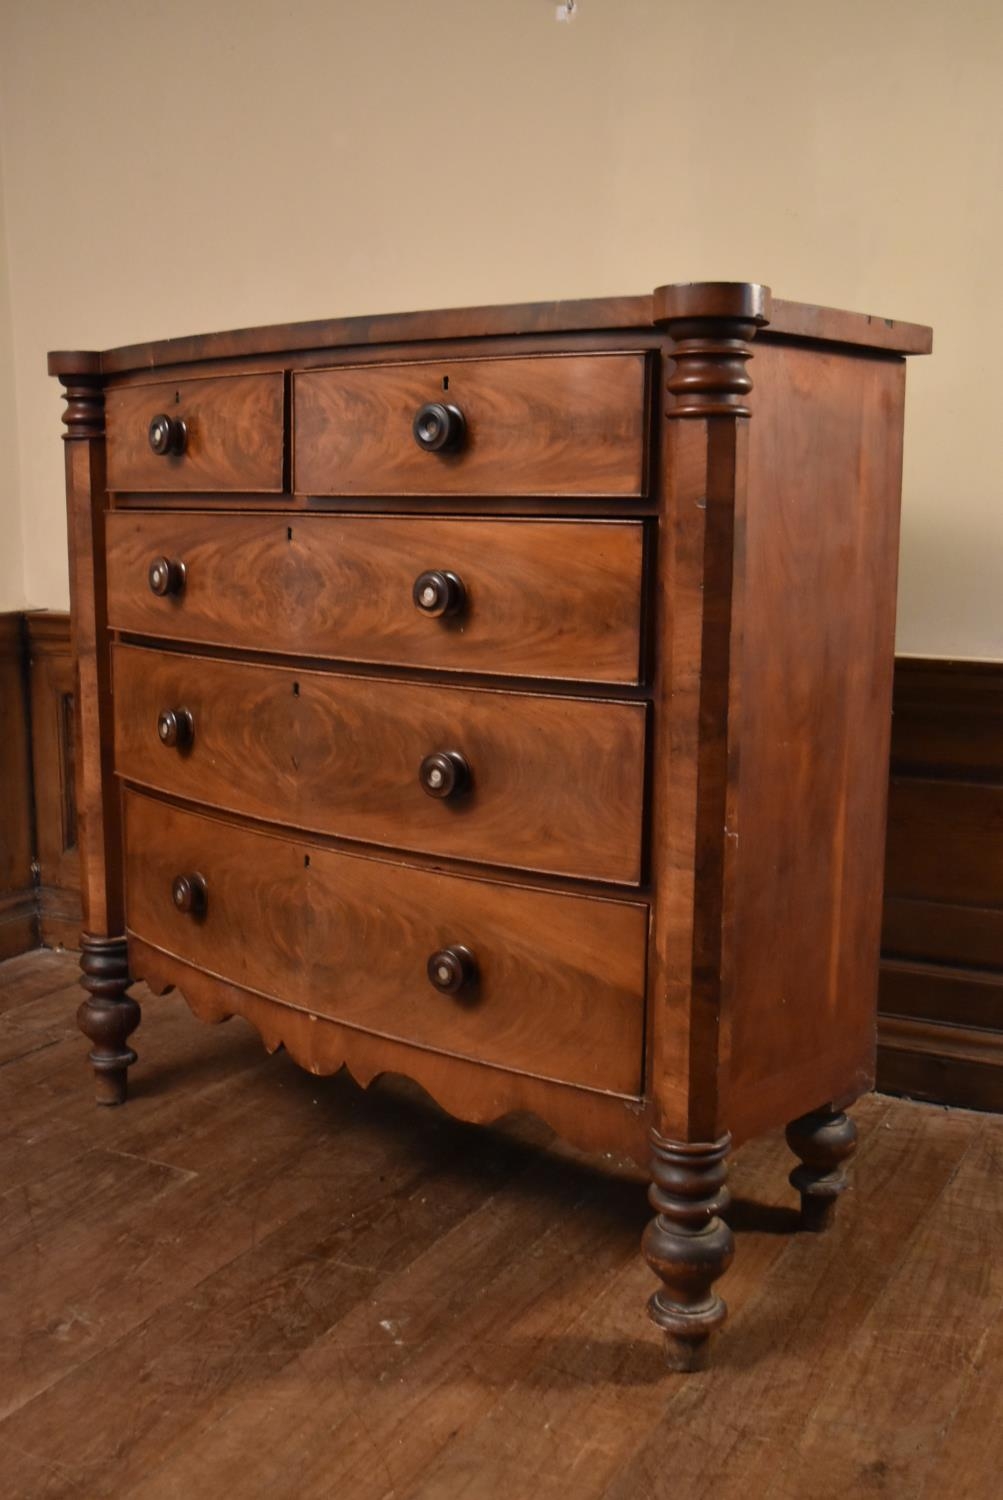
(439, 428)
(444, 774)
(167, 435)
(438, 593)
(190, 894)
(176, 727)
(453, 969)
(166, 576)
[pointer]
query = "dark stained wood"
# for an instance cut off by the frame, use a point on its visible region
(688, 1245)
(793, 319)
(560, 992)
(945, 842)
(573, 425)
(236, 435)
(812, 683)
(434, 1311)
(18, 918)
(341, 755)
(948, 718)
(556, 599)
(758, 451)
(942, 939)
(109, 1015)
(53, 737)
(822, 1141)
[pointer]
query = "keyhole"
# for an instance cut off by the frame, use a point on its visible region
(445, 382)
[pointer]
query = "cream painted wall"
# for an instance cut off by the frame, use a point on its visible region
(11, 550)
(213, 163)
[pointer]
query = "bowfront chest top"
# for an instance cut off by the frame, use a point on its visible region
(501, 698)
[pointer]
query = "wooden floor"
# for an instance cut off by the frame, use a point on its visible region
(249, 1282)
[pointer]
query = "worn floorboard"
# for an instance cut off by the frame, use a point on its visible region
(250, 1282)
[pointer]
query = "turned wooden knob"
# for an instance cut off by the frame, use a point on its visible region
(166, 576)
(444, 774)
(167, 435)
(453, 969)
(436, 593)
(439, 428)
(190, 894)
(176, 727)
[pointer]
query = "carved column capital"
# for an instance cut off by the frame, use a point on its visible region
(80, 375)
(711, 325)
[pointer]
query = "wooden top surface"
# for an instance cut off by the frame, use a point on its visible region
(799, 320)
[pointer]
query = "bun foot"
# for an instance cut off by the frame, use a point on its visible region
(108, 1016)
(688, 1245)
(823, 1140)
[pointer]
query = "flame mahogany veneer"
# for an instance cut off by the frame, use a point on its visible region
(501, 697)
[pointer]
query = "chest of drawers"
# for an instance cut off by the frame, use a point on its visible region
(501, 698)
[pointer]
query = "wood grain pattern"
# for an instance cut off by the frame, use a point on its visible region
(236, 1245)
(557, 599)
(941, 989)
(53, 738)
(341, 755)
(541, 426)
(814, 683)
(236, 435)
(561, 987)
(574, 316)
(18, 918)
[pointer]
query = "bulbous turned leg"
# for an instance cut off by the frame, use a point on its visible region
(108, 1016)
(823, 1140)
(688, 1245)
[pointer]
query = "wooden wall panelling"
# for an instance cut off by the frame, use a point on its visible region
(18, 920)
(50, 662)
(941, 994)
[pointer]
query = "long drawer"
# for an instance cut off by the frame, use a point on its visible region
(547, 425)
(559, 599)
(517, 779)
(535, 981)
(222, 433)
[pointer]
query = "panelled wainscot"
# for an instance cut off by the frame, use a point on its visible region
(501, 697)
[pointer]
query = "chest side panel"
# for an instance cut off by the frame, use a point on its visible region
(809, 725)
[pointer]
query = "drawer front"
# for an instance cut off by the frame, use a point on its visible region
(233, 438)
(554, 985)
(548, 425)
(541, 783)
(557, 599)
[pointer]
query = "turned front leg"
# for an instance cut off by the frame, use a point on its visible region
(687, 1244)
(823, 1140)
(108, 1016)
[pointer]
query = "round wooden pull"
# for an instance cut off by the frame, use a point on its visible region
(444, 774)
(436, 593)
(190, 894)
(439, 428)
(166, 576)
(176, 727)
(167, 435)
(453, 969)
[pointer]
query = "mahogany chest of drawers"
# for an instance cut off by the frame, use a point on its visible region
(501, 698)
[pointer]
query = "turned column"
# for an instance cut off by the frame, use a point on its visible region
(823, 1140)
(108, 1015)
(688, 1245)
(709, 330)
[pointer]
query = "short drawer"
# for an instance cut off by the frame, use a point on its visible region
(547, 425)
(222, 433)
(515, 779)
(557, 599)
(543, 983)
